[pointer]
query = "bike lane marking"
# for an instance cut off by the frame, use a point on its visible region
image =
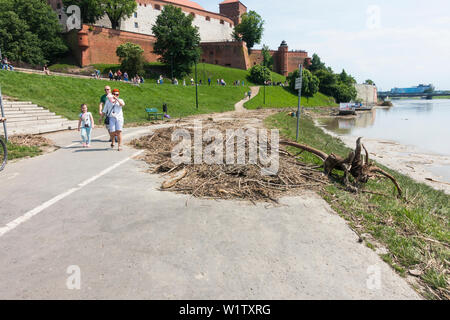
(30, 214)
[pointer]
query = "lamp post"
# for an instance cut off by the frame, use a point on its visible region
(264, 63)
(196, 85)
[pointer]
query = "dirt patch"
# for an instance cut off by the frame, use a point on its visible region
(29, 140)
(248, 181)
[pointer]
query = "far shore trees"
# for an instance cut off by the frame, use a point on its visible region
(340, 86)
(250, 29)
(177, 40)
(131, 58)
(30, 32)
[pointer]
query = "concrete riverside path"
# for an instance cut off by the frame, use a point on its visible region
(239, 107)
(98, 211)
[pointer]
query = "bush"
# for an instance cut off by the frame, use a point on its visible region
(131, 58)
(259, 74)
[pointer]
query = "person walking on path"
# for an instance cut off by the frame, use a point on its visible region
(104, 105)
(116, 119)
(85, 125)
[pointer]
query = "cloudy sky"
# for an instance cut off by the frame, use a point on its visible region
(396, 43)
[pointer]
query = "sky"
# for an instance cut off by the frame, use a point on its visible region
(396, 43)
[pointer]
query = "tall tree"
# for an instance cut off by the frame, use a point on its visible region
(117, 10)
(30, 31)
(316, 64)
(346, 78)
(250, 29)
(177, 40)
(267, 57)
(91, 10)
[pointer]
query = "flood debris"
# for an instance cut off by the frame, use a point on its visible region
(247, 181)
(359, 167)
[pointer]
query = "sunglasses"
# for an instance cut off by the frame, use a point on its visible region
(116, 94)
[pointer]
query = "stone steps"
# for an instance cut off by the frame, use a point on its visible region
(24, 117)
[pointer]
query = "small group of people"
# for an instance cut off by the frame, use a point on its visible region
(6, 65)
(110, 109)
(117, 76)
(238, 83)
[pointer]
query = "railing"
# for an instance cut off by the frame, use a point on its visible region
(3, 115)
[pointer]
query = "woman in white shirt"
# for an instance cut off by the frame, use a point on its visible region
(116, 118)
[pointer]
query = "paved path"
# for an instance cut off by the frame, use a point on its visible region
(100, 210)
(239, 107)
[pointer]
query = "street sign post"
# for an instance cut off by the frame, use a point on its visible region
(298, 86)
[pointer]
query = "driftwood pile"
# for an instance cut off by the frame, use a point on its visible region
(244, 182)
(247, 181)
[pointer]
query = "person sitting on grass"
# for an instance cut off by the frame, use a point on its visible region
(46, 70)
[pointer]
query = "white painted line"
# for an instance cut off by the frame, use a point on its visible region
(30, 214)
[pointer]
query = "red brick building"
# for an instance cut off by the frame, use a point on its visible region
(97, 43)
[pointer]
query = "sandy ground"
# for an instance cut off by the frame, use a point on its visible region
(406, 159)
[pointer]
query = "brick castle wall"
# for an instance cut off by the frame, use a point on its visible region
(95, 45)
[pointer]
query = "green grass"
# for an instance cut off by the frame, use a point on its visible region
(64, 95)
(17, 151)
(416, 232)
(154, 69)
(281, 97)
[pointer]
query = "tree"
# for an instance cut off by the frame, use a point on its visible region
(117, 10)
(316, 64)
(259, 74)
(30, 31)
(177, 40)
(344, 93)
(369, 82)
(91, 10)
(267, 57)
(346, 78)
(250, 29)
(327, 81)
(131, 58)
(310, 83)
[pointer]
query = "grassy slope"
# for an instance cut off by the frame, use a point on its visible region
(280, 97)
(416, 232)
(65, 95)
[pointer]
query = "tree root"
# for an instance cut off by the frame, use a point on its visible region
(359, 167)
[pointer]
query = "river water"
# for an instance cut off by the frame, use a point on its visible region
(424, 124)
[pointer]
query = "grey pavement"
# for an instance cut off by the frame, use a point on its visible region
(132, 241)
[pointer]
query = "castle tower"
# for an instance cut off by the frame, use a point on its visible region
(233, 9)
(283, 56)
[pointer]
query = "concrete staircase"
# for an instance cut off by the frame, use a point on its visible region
(28, 118)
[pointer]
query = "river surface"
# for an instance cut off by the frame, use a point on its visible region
(424, 124)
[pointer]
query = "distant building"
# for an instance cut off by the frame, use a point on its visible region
(367, 93)
(97, 43)
(421, 88)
